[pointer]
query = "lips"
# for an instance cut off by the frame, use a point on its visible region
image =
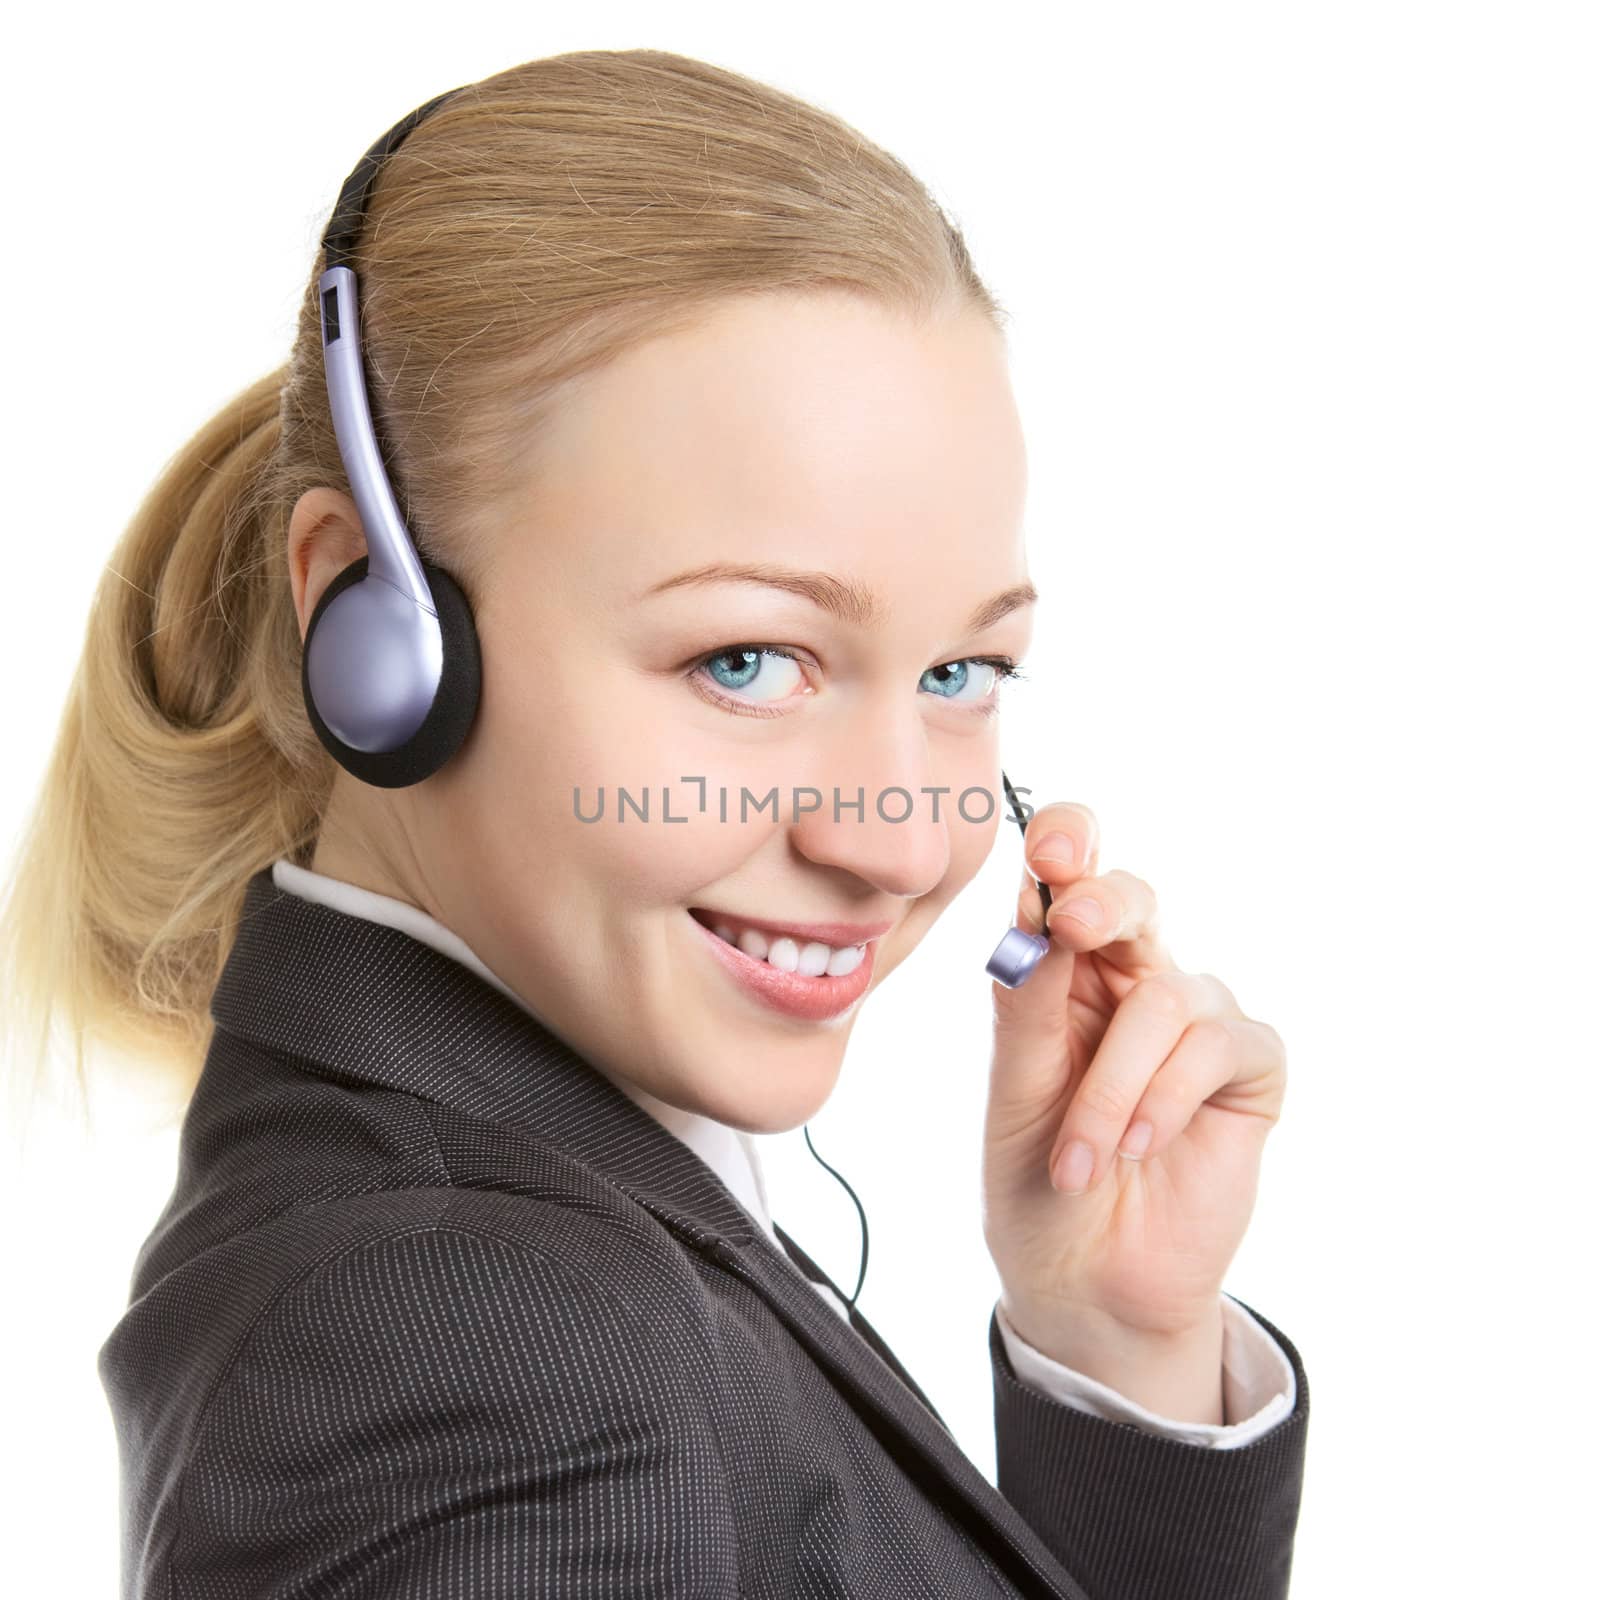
(793, 994)
(836, 934)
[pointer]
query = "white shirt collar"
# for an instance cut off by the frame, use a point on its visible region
(730, 1152)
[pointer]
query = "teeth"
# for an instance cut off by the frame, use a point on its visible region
(843, 962)
(810, 960)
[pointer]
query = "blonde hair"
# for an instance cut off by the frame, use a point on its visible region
(526, 232)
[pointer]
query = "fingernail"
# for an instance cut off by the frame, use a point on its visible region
(1136, 1140)
(1056, 848)
(1087, 913)
(1073, 1170)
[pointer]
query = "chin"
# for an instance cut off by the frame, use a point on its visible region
(786, 1100)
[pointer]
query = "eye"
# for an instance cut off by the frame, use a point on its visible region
(751, 678)
(752, 674)
(955, 679)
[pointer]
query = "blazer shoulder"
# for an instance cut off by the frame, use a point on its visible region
(622, 1259)
(487, 1240)
(474, 1353)
(440, 1281)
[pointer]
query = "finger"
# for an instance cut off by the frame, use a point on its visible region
(1214, 1053)
(1060, 842)
(1143, 1031)
(1029, 903)
(1116, 915)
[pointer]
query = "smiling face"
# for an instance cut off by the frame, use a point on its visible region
(873, 473)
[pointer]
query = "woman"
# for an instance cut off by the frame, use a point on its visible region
(699, 417)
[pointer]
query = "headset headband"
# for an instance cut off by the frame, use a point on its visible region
(344, 226)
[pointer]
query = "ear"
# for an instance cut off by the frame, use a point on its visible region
(325, 536)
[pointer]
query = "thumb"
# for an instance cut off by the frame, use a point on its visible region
(1031, 1057)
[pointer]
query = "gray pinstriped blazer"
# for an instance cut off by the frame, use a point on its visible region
(435, 1310)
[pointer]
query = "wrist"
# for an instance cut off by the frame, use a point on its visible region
(1175, 1374)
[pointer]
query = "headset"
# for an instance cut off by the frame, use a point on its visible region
(391, 669)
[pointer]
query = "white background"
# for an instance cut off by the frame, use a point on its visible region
(1305, 307)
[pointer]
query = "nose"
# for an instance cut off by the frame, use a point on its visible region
(875, 820)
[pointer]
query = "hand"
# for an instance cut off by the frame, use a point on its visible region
(1108, 1037)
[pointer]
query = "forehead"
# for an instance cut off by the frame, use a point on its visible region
(821, 418)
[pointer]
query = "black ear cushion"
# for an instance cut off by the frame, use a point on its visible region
(454, 706)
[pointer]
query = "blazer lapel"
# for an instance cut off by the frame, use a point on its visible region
(816, 1275)
(362, 1002)
(892, 1406)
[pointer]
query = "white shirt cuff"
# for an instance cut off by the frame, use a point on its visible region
(1258, 1387)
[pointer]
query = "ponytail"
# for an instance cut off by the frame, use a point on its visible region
(182, 764)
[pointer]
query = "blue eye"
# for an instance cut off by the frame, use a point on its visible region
(950, 680)
(748, 678)
(744, 667)
(957, 677)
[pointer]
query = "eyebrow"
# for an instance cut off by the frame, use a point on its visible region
(850, 602)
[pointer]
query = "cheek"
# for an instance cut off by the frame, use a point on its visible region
(670, 818)
(970, 846)
(972, 842)
(973, 777)
(589, 770)
(558, 720)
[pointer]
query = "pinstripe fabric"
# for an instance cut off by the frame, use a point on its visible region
(435, 1309)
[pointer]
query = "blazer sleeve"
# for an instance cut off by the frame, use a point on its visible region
(450, 1411)
(1131, 1513)
(1256, 1381)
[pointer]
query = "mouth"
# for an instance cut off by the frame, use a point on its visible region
(809, 978)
